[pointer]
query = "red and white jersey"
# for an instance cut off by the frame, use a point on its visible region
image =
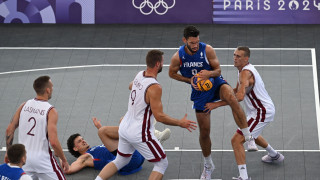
(138, 123)
(257, 101)
(33, 133)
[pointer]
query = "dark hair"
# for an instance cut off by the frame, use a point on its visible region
(15, 153)
(70, 144)
(245, 49)
(40, 84)
(190, 31)
(153, 57)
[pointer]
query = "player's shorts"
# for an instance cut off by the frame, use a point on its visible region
(45, 176)
(150, 150)
(134, 165)
(201, 98)
(256, 126)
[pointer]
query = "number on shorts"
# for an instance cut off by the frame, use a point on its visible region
(133, 96)
(34, 125)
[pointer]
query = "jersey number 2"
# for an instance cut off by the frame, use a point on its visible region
(34, 125)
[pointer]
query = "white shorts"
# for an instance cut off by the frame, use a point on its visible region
(256, 127)
(45, 176)
(150, 150)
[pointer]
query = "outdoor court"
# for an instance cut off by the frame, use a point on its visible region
(94, 82)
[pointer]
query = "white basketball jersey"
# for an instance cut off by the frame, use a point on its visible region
(257, 101)
(33, 134)
(138, 123)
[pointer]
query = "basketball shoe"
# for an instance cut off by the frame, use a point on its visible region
(277, 159)
(207, 171)
(240, 178)
(251, 144)
(162, 135)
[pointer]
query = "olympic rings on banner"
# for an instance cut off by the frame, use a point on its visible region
(153, 7)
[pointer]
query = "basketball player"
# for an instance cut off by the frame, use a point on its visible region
(98, 156)
(259, 109)
(197, 57)
(17, 156)
(37, 121)
(136, 131)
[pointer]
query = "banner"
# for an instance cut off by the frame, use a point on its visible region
(266, 12)
(106, 11)
(161, 11)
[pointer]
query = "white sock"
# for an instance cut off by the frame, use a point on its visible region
(208, 161)
(271, 151)
(246, 133)
(98, 178)
(243, 171)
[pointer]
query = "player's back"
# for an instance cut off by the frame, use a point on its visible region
(33, 134)
(137, 124)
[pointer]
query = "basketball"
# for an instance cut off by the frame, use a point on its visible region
(203, 85)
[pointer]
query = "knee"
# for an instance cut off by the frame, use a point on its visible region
(102, 131)
(204, 132)
(161, 166)
(235, 141)
(121, 161)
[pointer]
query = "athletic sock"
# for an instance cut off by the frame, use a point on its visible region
(208, 161)
(246, 133)
(271, 151)
(243, 171)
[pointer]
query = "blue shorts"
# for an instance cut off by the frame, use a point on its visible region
(134, 165)
(201, 98)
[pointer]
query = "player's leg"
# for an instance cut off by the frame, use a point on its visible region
(109, 136)
(273, 156)
(239, 154)
(159, 169)
(227, 94)
(205, 143)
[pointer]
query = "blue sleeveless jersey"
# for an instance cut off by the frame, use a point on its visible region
(102, 156)
(10, 173)
(190, 66)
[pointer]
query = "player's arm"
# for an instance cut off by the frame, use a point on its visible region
(214, 63)
(11, 129)
(153, 97)
(244, 82)
(174, 68)
(83, 161)
(53, 138)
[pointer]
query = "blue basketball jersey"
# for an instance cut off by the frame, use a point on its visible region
(191, 65)
(10, 173)
(102, 156)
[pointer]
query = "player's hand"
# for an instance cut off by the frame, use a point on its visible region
(64, 165)
(6, 159)
(204, 74)
(188, 124)
(194, 85)
(210, 106)
(97, 123)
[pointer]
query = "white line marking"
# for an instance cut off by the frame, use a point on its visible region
(316, 91)
(177, 149)
(126, 65)
(142, 48)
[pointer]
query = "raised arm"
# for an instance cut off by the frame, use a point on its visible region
(53, 138)
(174, 68)
(153, 96)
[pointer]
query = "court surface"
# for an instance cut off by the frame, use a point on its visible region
(94, 82)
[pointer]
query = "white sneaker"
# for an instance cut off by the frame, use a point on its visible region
(277, 159)
(240, 178)
(206, 173)
(162, 135)
(251, 145)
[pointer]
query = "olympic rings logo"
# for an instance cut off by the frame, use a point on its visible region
(153, 7)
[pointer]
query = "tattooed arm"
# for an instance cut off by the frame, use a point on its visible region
(11, 128)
